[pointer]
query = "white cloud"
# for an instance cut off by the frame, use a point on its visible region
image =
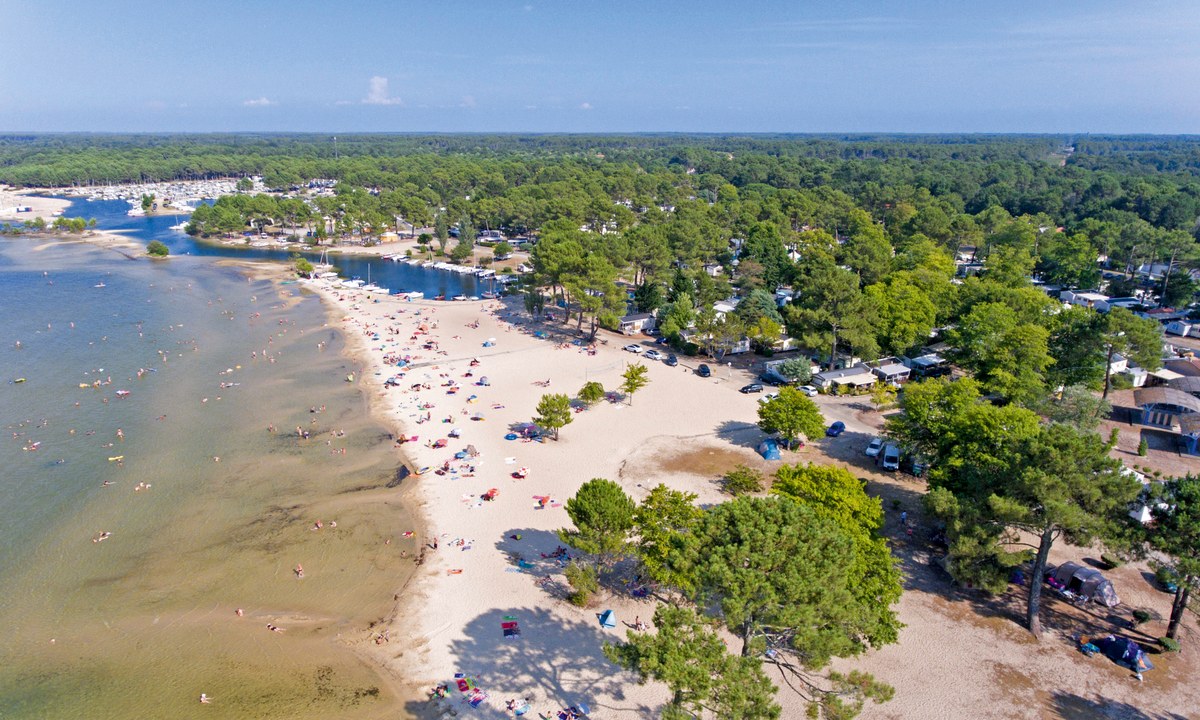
(585, 106)
(259, 102)
(378, 94)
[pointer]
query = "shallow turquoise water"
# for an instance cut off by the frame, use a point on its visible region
(139, 624)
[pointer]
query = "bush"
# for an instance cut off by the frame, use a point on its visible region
(1110, 561)
(742, 480)
(156, 249)
(583, 578)
(1141, 616)
(1143, 447)
(1168, 644)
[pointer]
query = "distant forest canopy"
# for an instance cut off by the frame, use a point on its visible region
(867, 245)
(1154, 177)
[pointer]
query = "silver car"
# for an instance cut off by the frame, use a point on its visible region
(874, 448)
(891, 458)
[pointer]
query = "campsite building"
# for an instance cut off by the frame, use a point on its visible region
(891, 370)
(1093, 300)
(639, 322)
(855, 376)
(1171, 409)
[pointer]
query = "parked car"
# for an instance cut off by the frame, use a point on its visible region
(874, 448)
(632, 348)
(772, 379)
(653, 355)
(836, 429)
(703, 371)
(808, 390)
(914, 465)
(751, 388)
(768, 397)
(891, 457)
(672, 360)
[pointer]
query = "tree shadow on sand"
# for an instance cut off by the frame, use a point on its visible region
(741, 434)
(919, 556)
(554, 662)
(1075, 707)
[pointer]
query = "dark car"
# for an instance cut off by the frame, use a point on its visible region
(703, 371)
(751, 388)
(836, 429)
(772, 379)
(672, 360)
(914, 465)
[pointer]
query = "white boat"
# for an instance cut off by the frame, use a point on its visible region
(372, 287)
(414, 295)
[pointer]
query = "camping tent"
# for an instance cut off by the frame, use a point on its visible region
(1125, 652)
(1088, 582)
(769, 449)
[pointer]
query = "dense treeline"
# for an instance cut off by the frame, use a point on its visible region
(866, 232)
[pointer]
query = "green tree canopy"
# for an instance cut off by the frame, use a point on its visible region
(591, 393)
(791, 414)
(553, 413)
(835, 493)
(659, 521)
(1008, 357)
(778, 575)
(705, 680)
(634, 379)
(603, 516)
(1176, 533)
(995, 469)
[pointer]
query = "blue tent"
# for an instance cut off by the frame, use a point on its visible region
(608, 619)
(769, 449)
(1124, 651)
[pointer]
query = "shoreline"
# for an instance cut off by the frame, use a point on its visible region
(452, 586)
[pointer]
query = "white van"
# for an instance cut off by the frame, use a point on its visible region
(891, 457)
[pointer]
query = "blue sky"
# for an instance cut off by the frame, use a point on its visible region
(579, 66)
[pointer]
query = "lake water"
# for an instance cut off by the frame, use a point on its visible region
(208, 510)
(113, 215)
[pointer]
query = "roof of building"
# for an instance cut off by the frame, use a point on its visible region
(1184, 366)
(1166, 396)
(892, 369)
(1186, 384)
(1189, 424)
(636, 317)
(928, 360)
(852, 371)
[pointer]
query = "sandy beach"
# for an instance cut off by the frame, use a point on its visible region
(495, 561)
(39, 205)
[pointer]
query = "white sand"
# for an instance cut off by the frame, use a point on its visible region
(40, 206)
(953, 660)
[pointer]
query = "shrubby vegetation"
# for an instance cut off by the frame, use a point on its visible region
(799, 578)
